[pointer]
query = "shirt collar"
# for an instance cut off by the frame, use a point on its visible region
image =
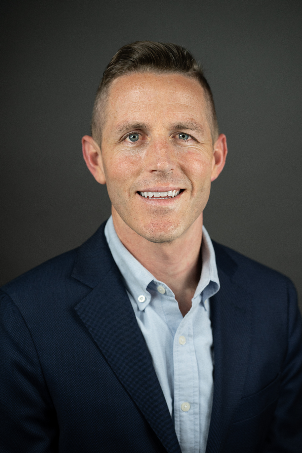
(208, 284)
(137, 278)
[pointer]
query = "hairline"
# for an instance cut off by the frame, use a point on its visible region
(102, 96)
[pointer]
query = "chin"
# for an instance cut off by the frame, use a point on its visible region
(159, 239)
(160, 234)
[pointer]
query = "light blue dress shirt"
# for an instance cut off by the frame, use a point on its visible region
(181, 347)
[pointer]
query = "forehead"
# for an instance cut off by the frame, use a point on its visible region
(146, 94)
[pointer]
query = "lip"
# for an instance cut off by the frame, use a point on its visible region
(160, 189)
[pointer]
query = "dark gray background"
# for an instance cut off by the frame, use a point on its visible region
(53, 56)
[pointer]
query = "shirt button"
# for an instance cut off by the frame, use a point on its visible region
(141, 298)
(161, 289)
(185, 407)
(182, 340)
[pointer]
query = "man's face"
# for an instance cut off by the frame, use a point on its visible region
(157, 143)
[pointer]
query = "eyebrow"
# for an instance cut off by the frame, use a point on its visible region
(187, 125)
(124, 127)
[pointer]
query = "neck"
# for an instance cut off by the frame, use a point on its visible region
(176, 263)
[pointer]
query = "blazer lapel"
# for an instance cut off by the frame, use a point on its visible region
(231, 324)
(108, 315)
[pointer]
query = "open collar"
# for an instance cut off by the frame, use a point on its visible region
(122, 344)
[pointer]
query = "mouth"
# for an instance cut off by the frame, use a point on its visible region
(161, 195)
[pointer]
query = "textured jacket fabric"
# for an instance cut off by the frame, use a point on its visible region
(76, 375)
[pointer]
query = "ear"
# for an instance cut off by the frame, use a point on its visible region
(93, 158)
(219, 156)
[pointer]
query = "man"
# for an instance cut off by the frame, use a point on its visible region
(149, 337)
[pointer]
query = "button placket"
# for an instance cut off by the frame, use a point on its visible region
(185, 392)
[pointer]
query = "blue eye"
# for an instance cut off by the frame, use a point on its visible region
(133, 137)
(184, 136)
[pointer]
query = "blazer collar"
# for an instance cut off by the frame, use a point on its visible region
(109, 317)
(93, 259)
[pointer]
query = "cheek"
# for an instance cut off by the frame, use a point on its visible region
(198, 167)
(120, 170)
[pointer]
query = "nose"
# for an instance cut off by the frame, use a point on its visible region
(160, 156)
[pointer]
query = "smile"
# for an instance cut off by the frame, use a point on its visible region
(161, 195)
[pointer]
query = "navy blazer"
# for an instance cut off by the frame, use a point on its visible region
(76, 375)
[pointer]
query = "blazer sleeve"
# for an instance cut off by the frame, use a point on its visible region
(285, 435)
(28, 421)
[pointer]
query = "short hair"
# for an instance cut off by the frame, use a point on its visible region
(150, 56)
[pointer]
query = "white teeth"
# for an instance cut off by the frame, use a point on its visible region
(169, 194)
